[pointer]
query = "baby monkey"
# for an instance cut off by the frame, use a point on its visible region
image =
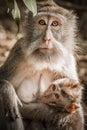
(64, 110)
(63, 96)
(63, 93)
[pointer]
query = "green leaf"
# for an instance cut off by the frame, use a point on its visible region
(16, 13)
(31, 5)
(7, 3)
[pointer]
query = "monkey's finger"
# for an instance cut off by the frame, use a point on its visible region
(58, 81)
(19, 102)
(13, 114)
(5, 112)
(8, 115)
(16, 111)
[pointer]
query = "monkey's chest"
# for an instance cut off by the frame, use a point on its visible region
(31, 88)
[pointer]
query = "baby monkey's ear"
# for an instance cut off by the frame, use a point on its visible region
(72, 108)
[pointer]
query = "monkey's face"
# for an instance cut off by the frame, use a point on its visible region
(51, 34)
(49, 30)
(47, 37)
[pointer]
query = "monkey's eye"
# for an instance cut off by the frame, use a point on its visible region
(54, 23)
(42, 22)
(64, 94)
(53, 87)
(57, 96)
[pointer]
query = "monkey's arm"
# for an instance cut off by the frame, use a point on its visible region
(8, 100)
(8, 69)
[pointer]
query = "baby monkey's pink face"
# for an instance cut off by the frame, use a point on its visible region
(65, 95)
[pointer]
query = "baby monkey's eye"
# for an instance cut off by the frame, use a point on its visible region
(53, 87)
(64, 94)
(54, 23)
(57, 96)
(42, 22)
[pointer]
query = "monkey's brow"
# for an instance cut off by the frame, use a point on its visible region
(52, 14)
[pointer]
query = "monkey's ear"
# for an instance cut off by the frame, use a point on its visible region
(72, 108)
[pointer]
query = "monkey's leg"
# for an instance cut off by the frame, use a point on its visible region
(17, 124)
(9, 107)
(34, 125)
(35, 114)
(37, 111)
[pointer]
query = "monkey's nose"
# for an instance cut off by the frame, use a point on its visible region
(47, 42)
(47, 37)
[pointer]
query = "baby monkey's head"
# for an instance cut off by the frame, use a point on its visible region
(64, 94)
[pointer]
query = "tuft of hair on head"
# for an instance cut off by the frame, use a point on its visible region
(46, 3)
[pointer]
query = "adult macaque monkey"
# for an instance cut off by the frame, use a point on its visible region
(47, 48)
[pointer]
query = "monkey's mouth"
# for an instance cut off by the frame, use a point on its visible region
(46, 50)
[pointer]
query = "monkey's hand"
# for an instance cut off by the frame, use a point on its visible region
(9, 101)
